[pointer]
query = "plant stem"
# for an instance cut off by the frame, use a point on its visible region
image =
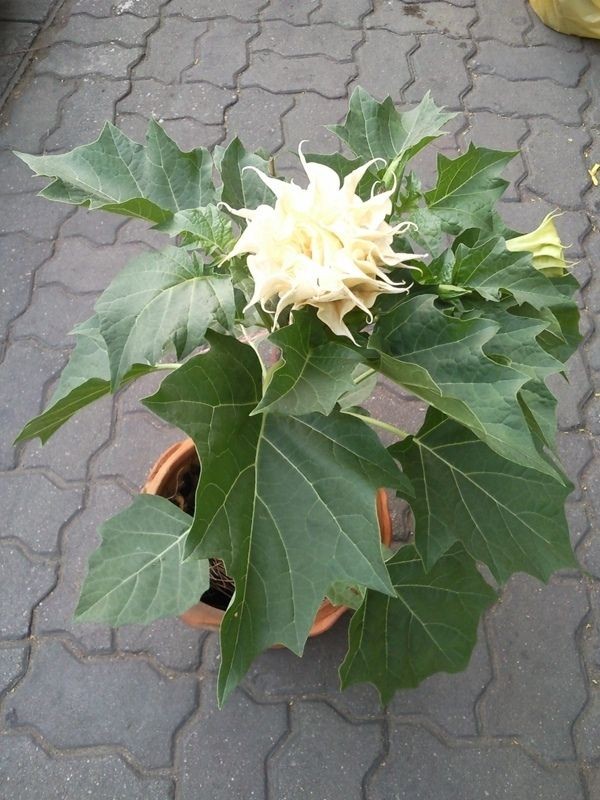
(166, 366)
(378, 423)
(364, 376)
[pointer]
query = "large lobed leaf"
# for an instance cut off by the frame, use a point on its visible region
(505, 515)
(441, 359)
(85, 379)
(314, 371)
(288, 503)
(150, 181)
(161, 299)
(431, 626)
(377, 130)
(138, 573)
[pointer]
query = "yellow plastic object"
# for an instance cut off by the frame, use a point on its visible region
(577, 17)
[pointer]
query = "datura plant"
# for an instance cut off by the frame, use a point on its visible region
(358, 273)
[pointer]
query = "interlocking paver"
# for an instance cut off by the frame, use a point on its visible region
(20, 257)
(116, 8)
(37, 524)
(29, 773)
(439, 67)
(342, 12)
(307, 119)
(485, 131)
(29, 11)
(539, 688)
(52, 315)
(23, 583)
(292, 40)
(259, 113)
(187, 132)
(422, 767)
(85, 111)
(246, 10)
(529, 63)
(71, 60)
(18, 129)
(15, 39)
(390, 78)
(100, 701)
(231, 758)
(396, 16)
(12, 665)
(227, 35)
(173, 644)
(544, 98)
(571, 393)
(161, 60)
(506, 22)
(319, 735)
(201, 101)
(314, 73)
(125, 29)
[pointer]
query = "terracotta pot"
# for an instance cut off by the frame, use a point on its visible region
(162, 481)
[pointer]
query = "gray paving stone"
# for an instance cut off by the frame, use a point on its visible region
(514, 98)
(108, 8)
(138, 231)
(28, 773)
(22, 213)
(23, 583)
(201, 101)
(163, 61)
(587, 730)
(186, 132)
(257, 118)
(13, 662)
(19, 129)
(539, 687)
(307, 120)
(82, 266)
(98, 227)
(557, 168)
(506, 22)
(34, 509)
(280, 675)
(400, 17)
(439, 67)
(313, 73)
(138, 441)
(101, 701)
(169, 641)
(540, 34)
(52, 315)
(125, 29)
(16, 175)
(225, 35)
(449, 700)
(55, 614)
(26, 10)
(593, 87)
(294, 13)
(389, 78)
(15, 40)
(70, 60)
(18, 402)
(319, 735)
(85, 112)
(422, 767)
(529, 63)
(20, 257)
(575, 452)
(571, 393)
(292, 40)
(499, 133)
(246, 10)
(225, 750)
(343, 12)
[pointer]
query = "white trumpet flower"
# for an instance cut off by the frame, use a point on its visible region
(322, 246)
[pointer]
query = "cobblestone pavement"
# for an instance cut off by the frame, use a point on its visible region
(86, 711)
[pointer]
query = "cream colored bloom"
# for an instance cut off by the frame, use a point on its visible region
(321, 246)
(546, 247)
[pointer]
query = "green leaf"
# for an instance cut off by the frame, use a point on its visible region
(507, 516)
(431, 626)
(161, 299)
(467, 188)
(242, 187)
(85, 379)
(314, 371)
(345, 594)
(441, 359)
(377, 130)
(208, 228)
(288, 503)
(540, 410)
(138, 573)
(492, 270)
(150, 181)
